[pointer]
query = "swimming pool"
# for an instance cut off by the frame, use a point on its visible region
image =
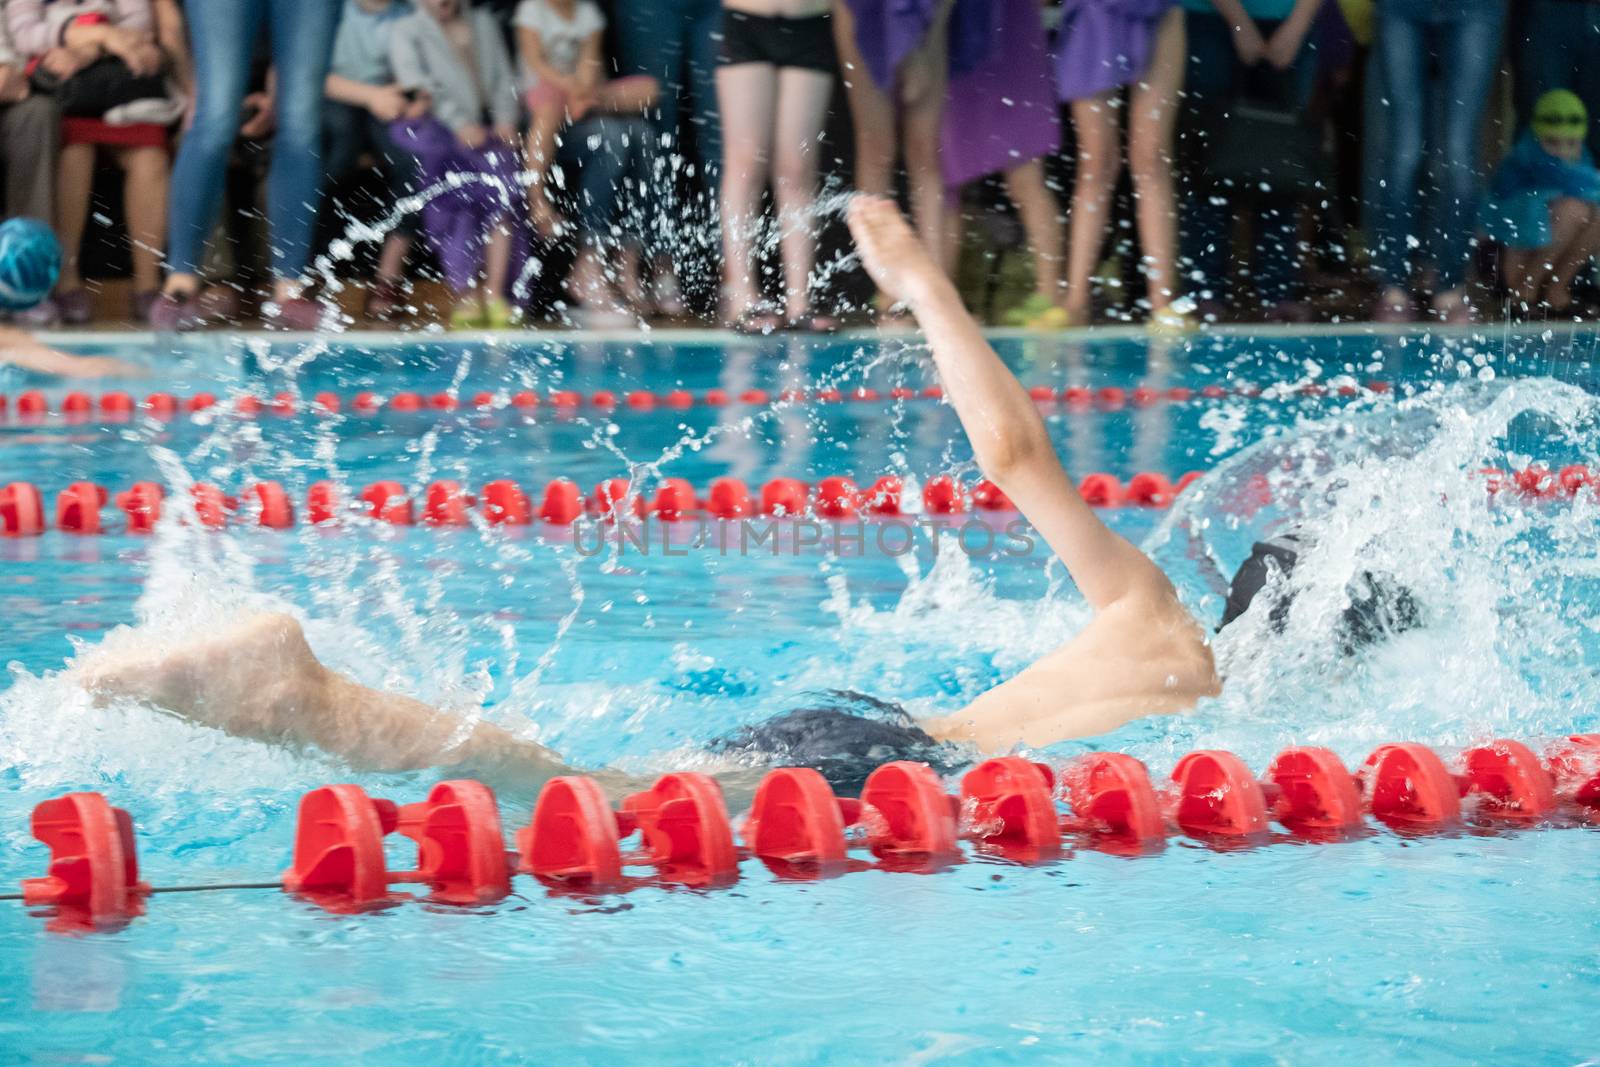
(1467, 945)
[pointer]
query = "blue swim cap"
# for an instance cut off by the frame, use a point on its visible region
(30, 263)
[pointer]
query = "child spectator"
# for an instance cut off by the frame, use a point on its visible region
(1436, 62)
(1002, 117)
(1556, 48)
(1102, 46)
(897, 57)
(224, 36)
(564, 81)
(1544, 205)
(364, 99)
(773, 88)
(30, 133)
(458, 57)
(108, 73)
(1255, 53)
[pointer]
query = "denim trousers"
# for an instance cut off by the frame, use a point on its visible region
(1436, 61)
(223, 35)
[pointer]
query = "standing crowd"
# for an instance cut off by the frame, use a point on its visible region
(1170, 161)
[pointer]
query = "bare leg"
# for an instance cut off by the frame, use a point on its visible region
(1580, 245)
(747, 94)
(1517, 266)
(1041, 220)
(496, 259)
(1152, 119)
(74, 177)
(145, 203)
(392, 260)
(802, 110)
(627, 96)
(1099, 163)
(547, 122)
(871, 110)
(923, 79)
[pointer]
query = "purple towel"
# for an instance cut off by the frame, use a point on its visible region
(887, 31)
(1003, 113)
(1104, 44)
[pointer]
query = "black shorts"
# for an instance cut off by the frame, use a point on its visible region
(805, 43)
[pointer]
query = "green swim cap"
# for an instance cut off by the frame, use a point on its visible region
(1559, 113)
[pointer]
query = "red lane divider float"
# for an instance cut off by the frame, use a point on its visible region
(34, 406)
(79, 507)
(678, 831)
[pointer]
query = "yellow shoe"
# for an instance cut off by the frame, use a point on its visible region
(1171, 322)
(1053, 317)
(467, 317)
(499, 315)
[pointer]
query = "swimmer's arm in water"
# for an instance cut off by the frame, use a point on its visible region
(22, 349)
(259, 679)
(1008, 436)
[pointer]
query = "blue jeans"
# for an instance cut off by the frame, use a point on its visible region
(1436, 58)
(1557, 50)
(223, 34)
(611, 156)
(1211, 81)
(677, 42)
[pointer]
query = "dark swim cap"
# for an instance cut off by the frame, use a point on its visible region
(845, 738)
(1379, 606)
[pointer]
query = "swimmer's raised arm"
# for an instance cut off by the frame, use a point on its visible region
(1008, 437)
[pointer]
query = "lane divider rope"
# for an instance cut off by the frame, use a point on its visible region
(34, 406)
(80, 508)
(1009, 808)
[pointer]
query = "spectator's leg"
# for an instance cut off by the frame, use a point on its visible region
(302, 44)
(144, 196)
(703, 27)
(499, 164)
(1469, 47)
(1152, 123)
(30, 138)
(749, 107)
(344, 138)
(1576, 227)
(222, 34)
(803, 97)
(1205, 230)
(1096, 124)
(924, 78)
(74, 180)
(871, 111)
(1399, 50)
(399, 174)
(1041, 221)
(632, 95)
(548, 107)
(651, 37)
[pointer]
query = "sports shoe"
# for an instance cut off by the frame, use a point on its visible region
(179, 313)
(295, 315)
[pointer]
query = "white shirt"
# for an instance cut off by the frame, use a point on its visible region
(562, 38)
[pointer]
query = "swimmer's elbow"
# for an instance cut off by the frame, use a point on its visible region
(1008, 452)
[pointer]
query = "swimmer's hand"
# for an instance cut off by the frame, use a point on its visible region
(895, 257)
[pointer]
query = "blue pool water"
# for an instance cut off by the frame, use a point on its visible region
(1473, 945)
